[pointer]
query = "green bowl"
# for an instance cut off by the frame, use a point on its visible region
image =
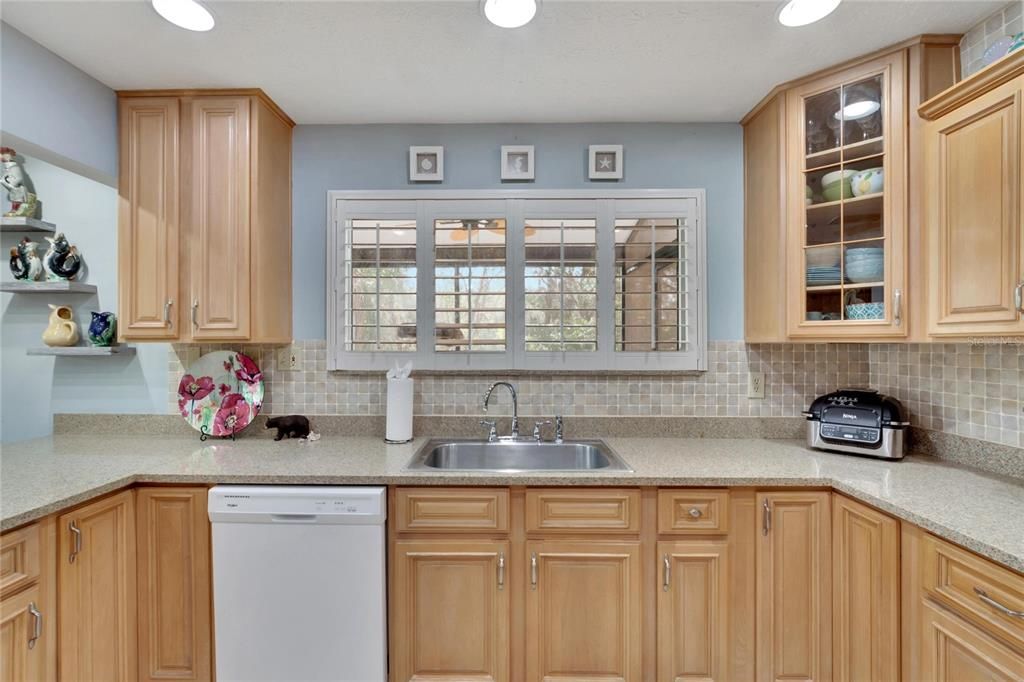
(841, 189)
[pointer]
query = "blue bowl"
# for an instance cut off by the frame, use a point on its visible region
(865, 311)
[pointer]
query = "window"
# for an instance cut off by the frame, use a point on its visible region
(517, 280)
(380, 285)
(560, 285)
(469, 285)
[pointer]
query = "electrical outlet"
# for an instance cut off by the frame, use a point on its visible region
(755, 385)
(286, 360)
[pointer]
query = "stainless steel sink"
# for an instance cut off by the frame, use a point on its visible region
(518, 456)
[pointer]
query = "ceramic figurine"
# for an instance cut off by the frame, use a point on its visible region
(25, 263)
(102, 329)
(62, 330)
(61, 261)
(24, 202)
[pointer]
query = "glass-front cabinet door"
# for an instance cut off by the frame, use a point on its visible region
(847, 203)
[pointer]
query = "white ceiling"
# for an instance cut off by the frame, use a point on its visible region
(387, 61)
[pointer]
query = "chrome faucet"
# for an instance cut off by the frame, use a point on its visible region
(515, 404)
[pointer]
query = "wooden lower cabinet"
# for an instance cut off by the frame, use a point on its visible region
(97, 591)
(174, 593)
(953, 650)
(693, 611)
(450, 610)
(865, 593)
(22, 646)
(584, 611)
(794, 591)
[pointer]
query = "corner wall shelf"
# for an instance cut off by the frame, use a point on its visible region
(25, 225)
(82, 351)
(62, 287)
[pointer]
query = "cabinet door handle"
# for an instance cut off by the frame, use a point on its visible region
(501, 570)
(37, 624)
(1018, 297)
(897, 307)
(195, 311)
(167, 312)
(533, 571)
(983, 596)
(666, 572)
(76, 532)
(766, 517)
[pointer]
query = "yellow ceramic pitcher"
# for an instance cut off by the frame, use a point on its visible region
(62, 330)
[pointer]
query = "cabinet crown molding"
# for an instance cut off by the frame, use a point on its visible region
(212, 92)
(992, 76)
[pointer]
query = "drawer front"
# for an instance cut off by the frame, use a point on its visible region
(19, 558)
(468, 510)
(954, 650)
(693, 512)
(582, 511)
(976, 588)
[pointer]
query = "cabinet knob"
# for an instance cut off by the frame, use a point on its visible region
(695, 513)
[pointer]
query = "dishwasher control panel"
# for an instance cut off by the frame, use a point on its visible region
(308, 503)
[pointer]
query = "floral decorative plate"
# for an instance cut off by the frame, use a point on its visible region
(221, 393)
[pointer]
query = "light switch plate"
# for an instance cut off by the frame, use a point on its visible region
(755, 385)
(286, 360)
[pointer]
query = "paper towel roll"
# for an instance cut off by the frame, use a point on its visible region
(399, 411)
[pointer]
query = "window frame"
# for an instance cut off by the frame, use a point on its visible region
(516, 206)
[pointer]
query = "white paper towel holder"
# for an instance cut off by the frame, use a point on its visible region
(398, 442)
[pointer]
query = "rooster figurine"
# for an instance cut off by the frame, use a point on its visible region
(61, 261)
(25, 263)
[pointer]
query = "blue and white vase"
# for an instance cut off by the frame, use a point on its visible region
(102, 329)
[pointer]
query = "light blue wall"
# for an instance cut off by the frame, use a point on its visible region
(657, 155)
(35, 388)
(56, 107)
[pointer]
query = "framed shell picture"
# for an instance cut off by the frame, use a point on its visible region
(517, 162)
(221, 393)
(426, 164)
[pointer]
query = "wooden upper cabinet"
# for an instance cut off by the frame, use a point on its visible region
(847, 203)
(205, 216)
(974, 235)
(865, 593)
(832, 216)
(450, 610)
(217, 131)
(583, 611)
(794, 592)
(96, 589)
(174, 594)
(148, 218)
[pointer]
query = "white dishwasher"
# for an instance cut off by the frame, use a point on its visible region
(299, 583)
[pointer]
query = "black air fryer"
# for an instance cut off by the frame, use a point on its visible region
(859, 421)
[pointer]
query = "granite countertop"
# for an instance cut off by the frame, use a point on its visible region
(977, 510)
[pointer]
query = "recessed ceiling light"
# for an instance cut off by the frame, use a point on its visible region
(803, 12)
(510, 13)
(185, 13)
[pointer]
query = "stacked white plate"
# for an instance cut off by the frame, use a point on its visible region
(822, 276)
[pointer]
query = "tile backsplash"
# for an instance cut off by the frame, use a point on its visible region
(970, 390)
(973, 390)
(1007, 21)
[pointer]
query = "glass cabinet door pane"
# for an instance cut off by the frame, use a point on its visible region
(821, 130)
(862, 110)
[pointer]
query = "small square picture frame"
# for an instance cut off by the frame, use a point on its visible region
(517, 162)
(426, 164)
(605, 162)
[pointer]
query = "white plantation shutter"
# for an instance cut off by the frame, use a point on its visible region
(504, 280)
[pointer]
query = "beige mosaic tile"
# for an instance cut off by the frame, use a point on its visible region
(969, 390)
